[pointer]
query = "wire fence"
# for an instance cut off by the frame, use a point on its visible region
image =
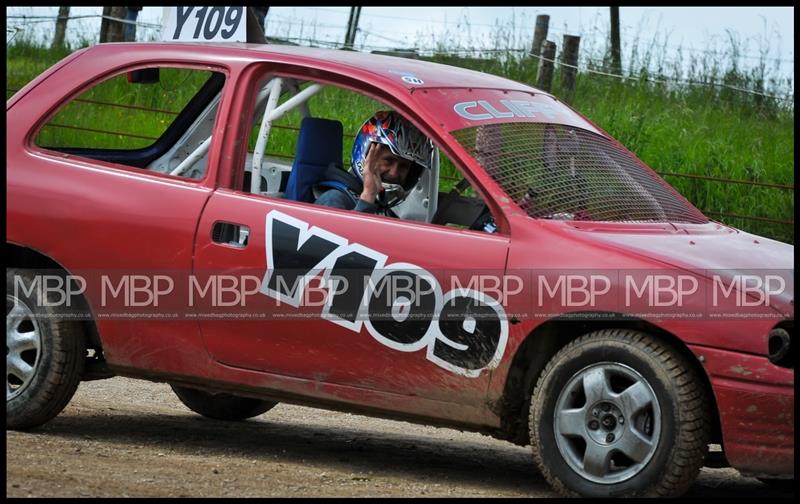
(43, 19)
(722, 180)
(32, 19)
(587, 63)
(663, 81)
(705, 211)
(459, 24)
(585, 66)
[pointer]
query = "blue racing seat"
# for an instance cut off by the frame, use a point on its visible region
(319, 145)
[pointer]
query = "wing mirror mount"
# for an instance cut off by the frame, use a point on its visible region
(144, 76)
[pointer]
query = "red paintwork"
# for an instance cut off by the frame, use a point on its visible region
(97, 216)
(294, 347)
(757, 399)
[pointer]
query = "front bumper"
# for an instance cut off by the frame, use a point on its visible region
(755, 399)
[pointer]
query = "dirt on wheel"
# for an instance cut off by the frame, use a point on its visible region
(124, 437)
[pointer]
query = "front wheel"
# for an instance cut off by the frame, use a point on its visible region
(617, 413)
(221, 406)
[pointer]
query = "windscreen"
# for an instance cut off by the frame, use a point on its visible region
(556, 171)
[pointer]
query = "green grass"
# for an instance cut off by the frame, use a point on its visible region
(171, 94)
(700, 130)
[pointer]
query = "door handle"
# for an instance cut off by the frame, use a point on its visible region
(228, 233)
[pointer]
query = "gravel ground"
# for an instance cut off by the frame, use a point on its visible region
(124, 437)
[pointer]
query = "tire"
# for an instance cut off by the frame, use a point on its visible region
(221, 406)
(618, 413)
(45, 353)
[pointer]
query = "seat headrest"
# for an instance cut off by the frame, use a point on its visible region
(319, 145)
(319, 142)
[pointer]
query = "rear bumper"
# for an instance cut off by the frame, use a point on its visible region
(756, 407)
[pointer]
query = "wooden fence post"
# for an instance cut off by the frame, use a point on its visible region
(569, 56)
(115, 31)
(254, 27)
(544, 79)
(616, 62)
(540, 33)
(104, 25)
(61, 27)
(261, 16)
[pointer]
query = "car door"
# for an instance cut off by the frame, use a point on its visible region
(424, 349)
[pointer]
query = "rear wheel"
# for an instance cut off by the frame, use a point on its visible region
(618, 413)
(45, 354)
(221, 406)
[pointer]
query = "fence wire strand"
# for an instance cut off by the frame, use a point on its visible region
(40, 19)
(26, 20)
(45, 19)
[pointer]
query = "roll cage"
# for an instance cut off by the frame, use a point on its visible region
(268, 175)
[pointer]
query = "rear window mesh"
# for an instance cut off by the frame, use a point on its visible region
(560, 172)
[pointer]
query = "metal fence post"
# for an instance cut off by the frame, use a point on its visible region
(352, 27)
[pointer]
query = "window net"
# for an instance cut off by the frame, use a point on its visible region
(560, 172)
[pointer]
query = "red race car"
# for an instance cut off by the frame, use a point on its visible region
(488, 259)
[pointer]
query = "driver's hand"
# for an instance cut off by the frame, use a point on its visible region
(372, 175)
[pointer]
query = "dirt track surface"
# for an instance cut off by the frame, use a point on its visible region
(123, 437)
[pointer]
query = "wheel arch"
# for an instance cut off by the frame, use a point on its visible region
(19, 256)
(551, 336)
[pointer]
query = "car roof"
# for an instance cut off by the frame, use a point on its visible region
(431, 74)
(452, 97)
(420, 74)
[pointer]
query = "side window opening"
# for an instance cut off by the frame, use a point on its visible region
(459, 205)
(338, 109)
(279, 143)
(155, 123)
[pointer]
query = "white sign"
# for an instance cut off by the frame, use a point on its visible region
(205, 24)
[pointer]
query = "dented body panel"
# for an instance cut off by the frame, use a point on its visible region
(756, 405)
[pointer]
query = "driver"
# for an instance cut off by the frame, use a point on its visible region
(388, 157)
